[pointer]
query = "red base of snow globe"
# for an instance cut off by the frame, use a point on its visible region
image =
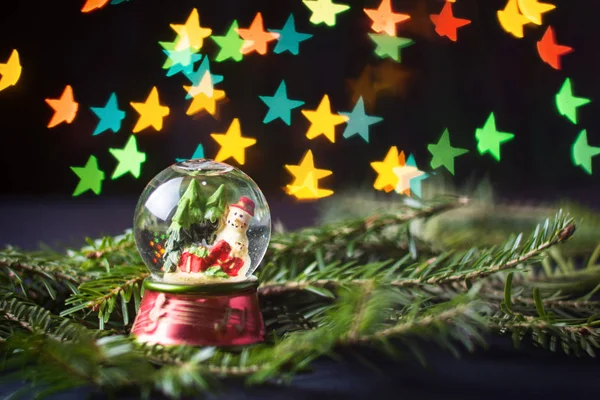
(223, 314)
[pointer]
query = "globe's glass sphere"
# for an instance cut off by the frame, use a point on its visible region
(202, 221)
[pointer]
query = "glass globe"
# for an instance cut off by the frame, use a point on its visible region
(202, 221)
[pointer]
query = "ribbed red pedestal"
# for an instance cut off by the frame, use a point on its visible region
(225, 314)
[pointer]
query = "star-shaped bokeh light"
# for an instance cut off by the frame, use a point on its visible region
(582, 152)
(533, 10)
(443, 153)
(386, 78)
(90, 177)
(191, 34)
(198, 153)
(512, 20)
(205, 86)
(551, 52)
(233, 144)
(384, 19)
(110, 116)
(151, 112)
(306, 179)
(386, 178)
(323, 121)
(11, 71)
(129, 158)
(65, 108)
(201, 101)
(489, 138)
(405, 174)
(255, 37)
(324, 11)
(92, 5)
(446, 24)
(196, 77)
(308, 189)
(567, 104)
(289, 39)
(230, 44)
(179, 60)
(280, 106)
(416, 181)
(359, 122)
(389, 46)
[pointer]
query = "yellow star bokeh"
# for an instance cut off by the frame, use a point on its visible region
(151, 112)
(308, 190)
(386, 178)
(322, 121)
(233, 144)
(205, 86)
(512, 20)
(191, 30)
(11, 71)
(533, 10)
(203, 102)
(306, 179)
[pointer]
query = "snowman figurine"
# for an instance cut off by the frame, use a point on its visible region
(234, 232)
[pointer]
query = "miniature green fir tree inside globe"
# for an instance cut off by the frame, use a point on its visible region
(202, 221)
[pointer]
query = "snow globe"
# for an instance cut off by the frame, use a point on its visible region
(202, 227)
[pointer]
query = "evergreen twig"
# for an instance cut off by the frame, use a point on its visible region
(352, 283)
(444, 269)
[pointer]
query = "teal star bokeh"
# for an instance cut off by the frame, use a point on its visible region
(195, 77)
(359, 121)
(179, 60)
(289, 39)
(415, 183)
(280, 106)
(110, 116)
(198, 153)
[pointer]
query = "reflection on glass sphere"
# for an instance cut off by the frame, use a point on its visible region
(202, 221)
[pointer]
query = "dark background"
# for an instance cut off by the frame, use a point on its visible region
(439, 84)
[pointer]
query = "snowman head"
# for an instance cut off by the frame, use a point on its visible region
(241, 214)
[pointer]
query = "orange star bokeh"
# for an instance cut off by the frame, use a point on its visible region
(91, 5)
(384, 19)
(256, 38)
(446, 24)
(550, 51)
(65, 108)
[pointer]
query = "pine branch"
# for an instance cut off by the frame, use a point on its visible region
(354, 228)
(41, 270)
(573, 336)
(102, 294)
(21, 315)
(39, 275)
(51, 365)
(108, 251)
(444, 269)
(462, 310)
(570, 304)
(372, 316)
(547, 328)
(356, 283)
(350, 239)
